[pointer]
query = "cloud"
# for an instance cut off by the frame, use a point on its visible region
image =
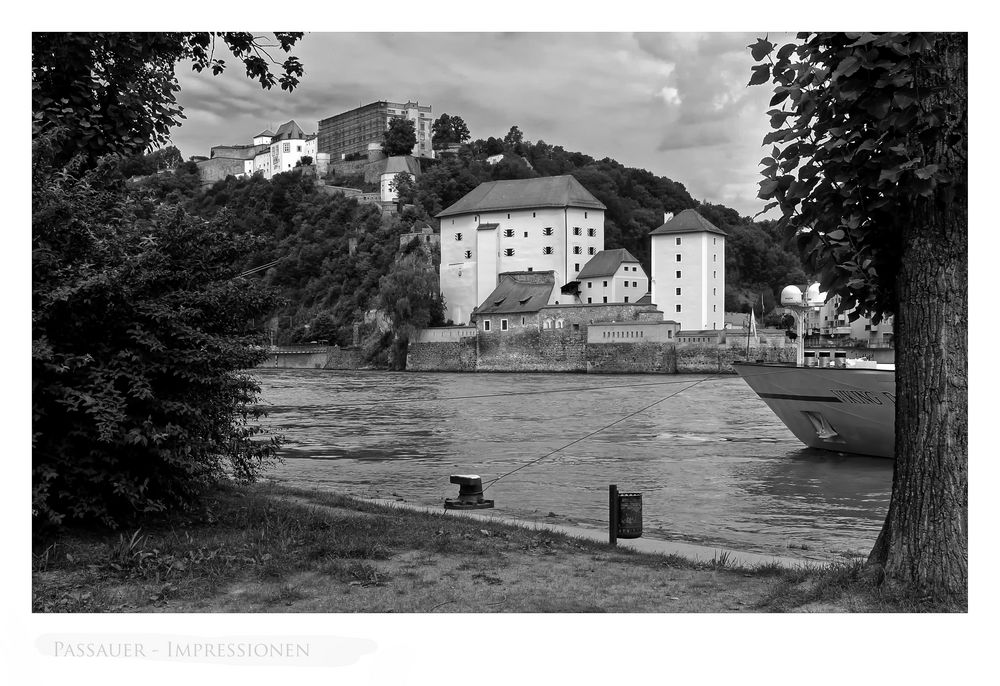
(646, 100)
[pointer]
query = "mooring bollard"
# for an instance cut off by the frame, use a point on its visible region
(470, 493)
(624, 515)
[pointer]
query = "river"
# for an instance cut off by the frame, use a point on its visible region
(713, 464)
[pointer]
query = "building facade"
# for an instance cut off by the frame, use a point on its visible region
(688, 267)
(544, 224)
(353, 131)
(612, 276)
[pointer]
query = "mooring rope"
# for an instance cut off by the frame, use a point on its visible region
(490, 483)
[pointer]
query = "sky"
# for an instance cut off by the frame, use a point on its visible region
(676, 104)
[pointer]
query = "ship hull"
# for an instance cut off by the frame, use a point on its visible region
(846, 410)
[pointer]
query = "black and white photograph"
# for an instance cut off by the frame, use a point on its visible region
(443, 342)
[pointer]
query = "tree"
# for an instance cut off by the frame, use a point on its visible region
(141, 331)
(405, 188)
(399, 138)
(869, 169)
(447, 130)
(411, 296)
(141, 326)
(114, 92)
(514, 138)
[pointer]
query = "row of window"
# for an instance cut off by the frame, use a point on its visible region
(678, 257)
(635, 284)
(546, 250)
(631, 334)
(715, 274)
(678, 307)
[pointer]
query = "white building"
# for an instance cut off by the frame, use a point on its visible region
(612, 276)
(688, 267)
(545, 224)
(394, 165)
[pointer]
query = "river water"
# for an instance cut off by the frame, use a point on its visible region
(713, 464)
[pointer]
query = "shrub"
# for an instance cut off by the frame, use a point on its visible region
(141, 330)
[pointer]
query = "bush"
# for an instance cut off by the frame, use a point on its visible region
(141, 330)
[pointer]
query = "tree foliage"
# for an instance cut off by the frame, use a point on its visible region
(853, 153)
(399, 138)
(869, 168)
(140, 331)
(114, 93)
(448, 130)
(140, 324)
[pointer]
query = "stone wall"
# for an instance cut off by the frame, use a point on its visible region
(566, 350)
(632, 358)
(344, 358)
(550, 350)
(442, 356)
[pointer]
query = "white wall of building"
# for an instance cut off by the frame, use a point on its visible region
(627, 285)
(532, 239)
(695, 265)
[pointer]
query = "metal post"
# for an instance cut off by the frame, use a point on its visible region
(613, 514)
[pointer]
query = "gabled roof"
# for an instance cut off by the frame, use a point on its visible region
(645, 300)
(688, 221)
(289, 130)
(547, 191)
(519, 292)
(265, 132)
(606, 263)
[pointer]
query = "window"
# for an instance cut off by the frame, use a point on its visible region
(605, 298)
(486, 325)
(458, 236)
(576, 266)
(591, 250)
(713, 241)
(713, 308)
(605, 284)
(547, 231)
(468, 254)
(590, 284)
(522, 321)
(678, 240)
(576, 231)
(286, 147)
(547, 250)
(678, 275)
(525, 234)
(509, 252)
(714, 274)
(635, 284)
(559, 323)
(508, 215)
(503, 324)
(589, 300)
(298, 148)
(591, 232)
(713, 258)
(678, 292)
(626, 298)
(584, 215)
(532, 214)
(713, 292)
(678, 256)
(508, 233)
(678, 308)
(577, 250)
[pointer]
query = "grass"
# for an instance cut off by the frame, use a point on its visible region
(275, 549)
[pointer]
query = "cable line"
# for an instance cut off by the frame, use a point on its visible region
(593, 433)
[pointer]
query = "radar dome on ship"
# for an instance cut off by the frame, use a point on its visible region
(791, 296)
(814, 297)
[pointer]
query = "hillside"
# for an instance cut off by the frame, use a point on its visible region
(333, 257)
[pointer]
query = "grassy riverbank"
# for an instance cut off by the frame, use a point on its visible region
(273, 549)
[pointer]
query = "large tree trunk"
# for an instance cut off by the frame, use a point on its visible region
(924, 542)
